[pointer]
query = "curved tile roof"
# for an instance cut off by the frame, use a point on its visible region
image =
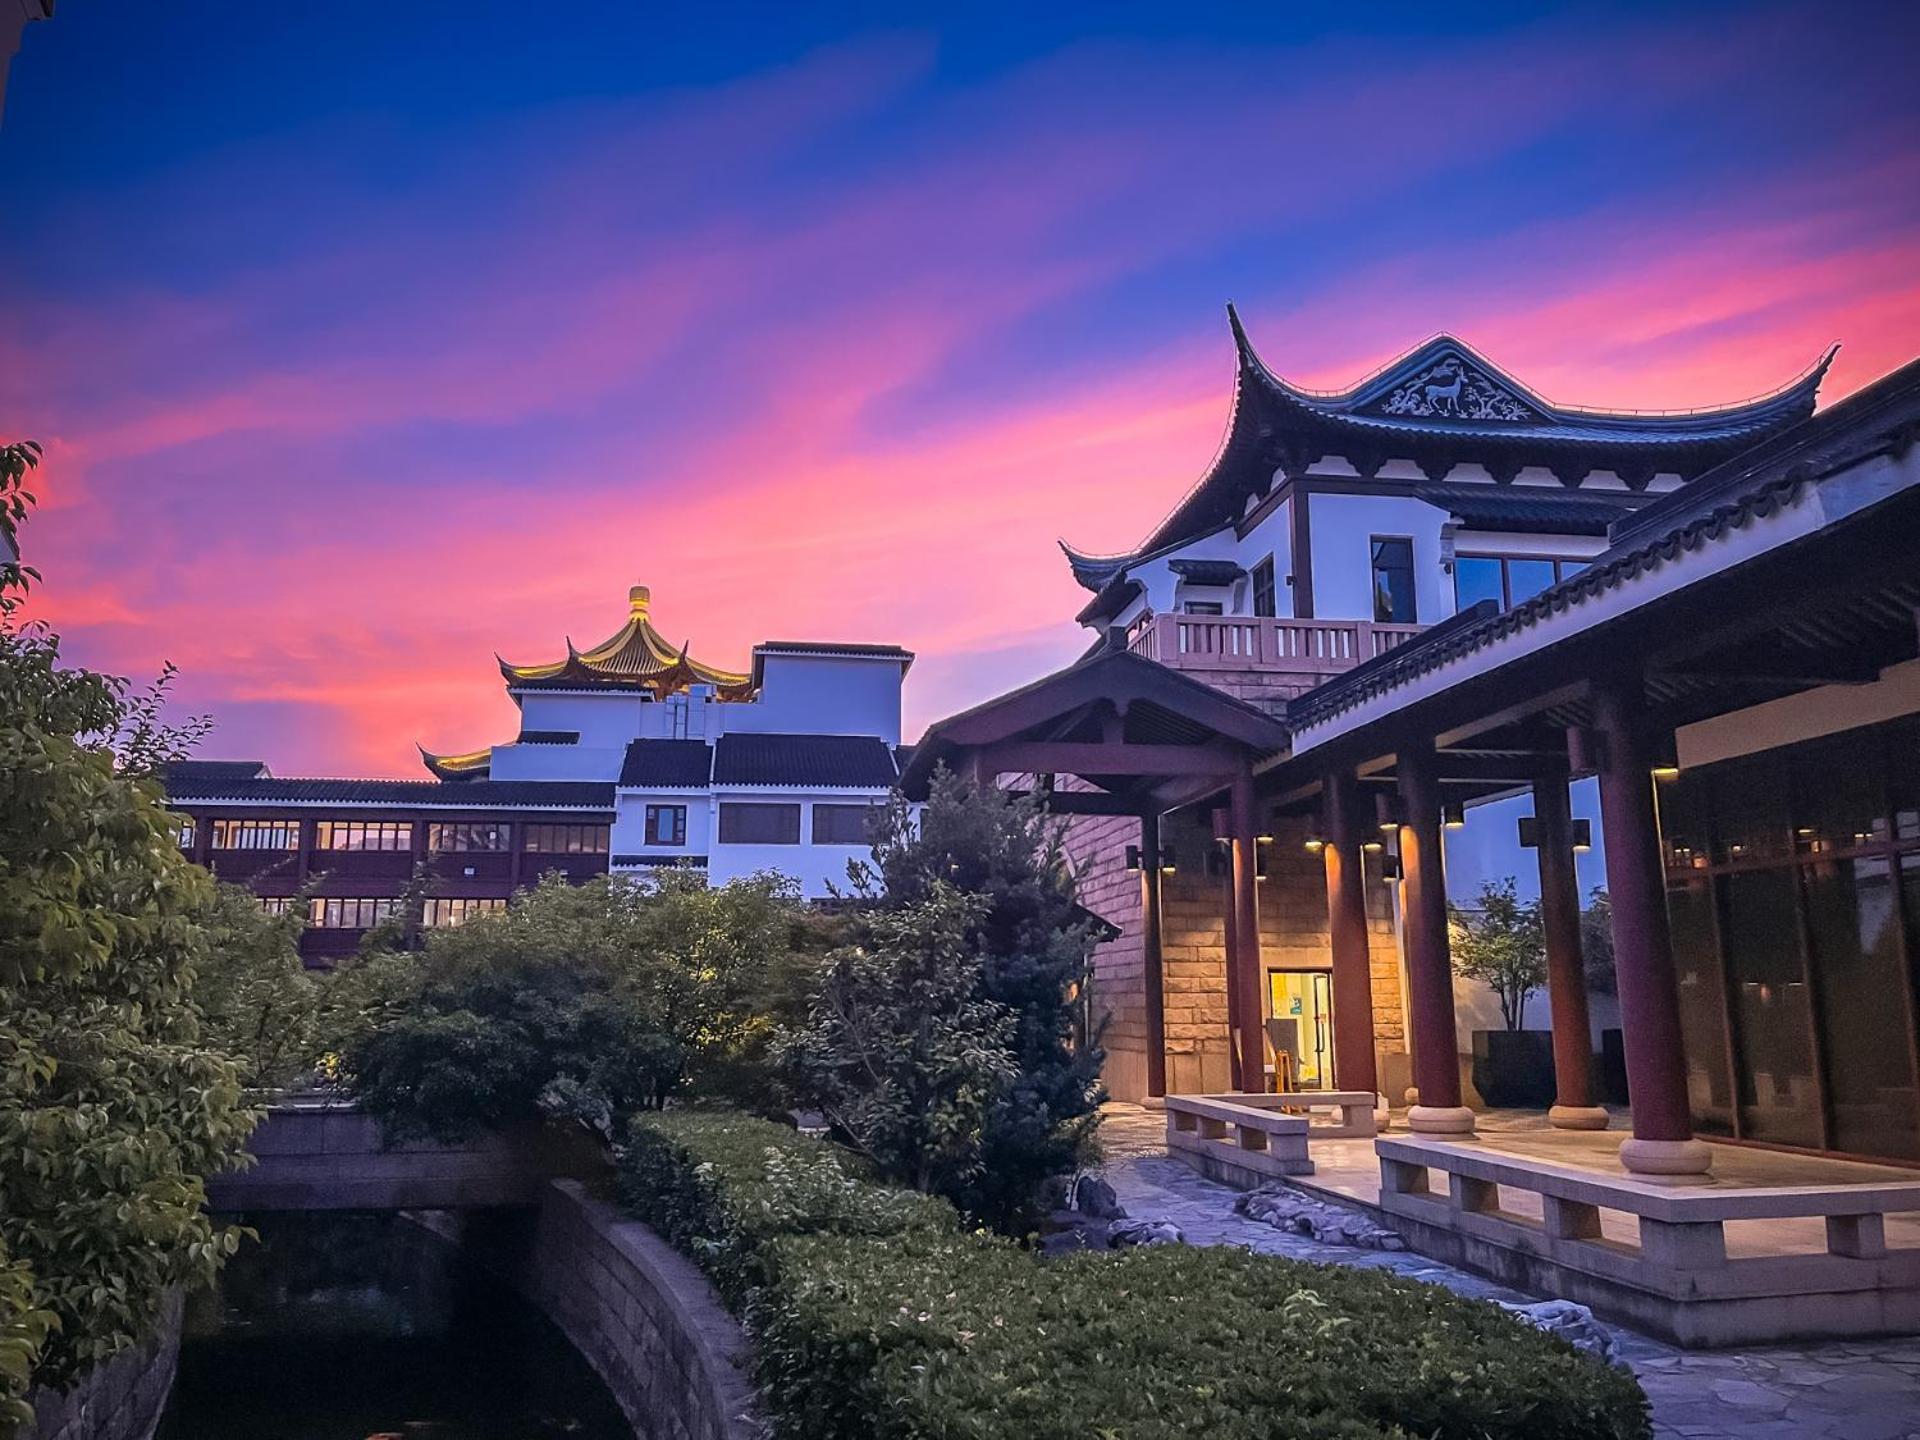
(635, 657)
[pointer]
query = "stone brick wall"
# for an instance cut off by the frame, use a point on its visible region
(1293, 935)
(119, 1400)
(643, 1316)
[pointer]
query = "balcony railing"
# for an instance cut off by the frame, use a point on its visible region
(1265, 643)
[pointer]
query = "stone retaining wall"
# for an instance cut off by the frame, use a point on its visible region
(119, 1400)
(644, 1317)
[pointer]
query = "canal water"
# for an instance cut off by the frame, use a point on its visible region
(346, 1327)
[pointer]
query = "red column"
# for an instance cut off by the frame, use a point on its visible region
(1150, 958)
(1353, 1059)
(1662, 1142)
(1244, 971)
(1573, 1107)
(1436, 1058)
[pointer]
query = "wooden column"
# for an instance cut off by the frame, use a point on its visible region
(1573, 1107)
(1436, 1057)
(1243, 971)
(1153, 973)
(1223, 832)
(1662, 1142)
(1354, 1067)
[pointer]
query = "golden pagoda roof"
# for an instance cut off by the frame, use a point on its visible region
(474, 765)
(636, 657)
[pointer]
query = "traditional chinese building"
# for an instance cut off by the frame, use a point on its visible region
(1381, 607)
(630, 754)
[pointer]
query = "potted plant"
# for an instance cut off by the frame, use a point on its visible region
(1500, 944)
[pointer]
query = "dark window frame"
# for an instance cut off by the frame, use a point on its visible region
(832, 811)
(1374, 570)
(676, 834)
(1563, 566)
(1264, 588)
(736, 813)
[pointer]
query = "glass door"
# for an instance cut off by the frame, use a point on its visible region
(1300, 1028)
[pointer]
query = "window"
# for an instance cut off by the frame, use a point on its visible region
(1201, 607)
(1506, 579)
(363, 835)
(183, 828)
(276, 904)
(445, 911)
(466, 835)
(1393, 580)
(567, 839)
(743, 823)
(350, 913)
(256, 834)
(666, 824)
(842, 824)
(1264, 597)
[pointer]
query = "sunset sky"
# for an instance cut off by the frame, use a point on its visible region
(368, 340)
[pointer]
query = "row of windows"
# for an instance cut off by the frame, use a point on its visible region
(770, 823)
(360, 913)
(444, 911)
(397, 835)
(351, 912)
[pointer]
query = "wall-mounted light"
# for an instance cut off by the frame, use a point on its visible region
(1666, 772)
(1169, 861)
(1389, 811)
(1315, 841)
(1373, 847)
(1529, 833)
(1263, 839)
(1389, 867)
(1582, 835)
(1453, 815)
(1133, 857)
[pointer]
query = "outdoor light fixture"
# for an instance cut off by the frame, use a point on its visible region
(1133, 857)
(1389, 867)
(1529, 833)
(1389, 810)
(1666, 763)
(1316, 842)
(1374, 847)
(1582, 835)
(1453, 815)
(1263, 839)
(1666, 772)
(1169, 861)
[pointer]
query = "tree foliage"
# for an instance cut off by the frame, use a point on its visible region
(1029, 947)
(1500, 944)
(259, 1003)
(112, 1105)
(902, 1051)
(595, 1000)
(1596, 942)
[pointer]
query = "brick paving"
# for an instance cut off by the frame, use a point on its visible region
(1833, 1390)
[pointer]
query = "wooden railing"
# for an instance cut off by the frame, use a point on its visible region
(1234, 642)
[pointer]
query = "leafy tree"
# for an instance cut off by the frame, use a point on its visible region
(258, 1001)
(902, 1052)
(24, 1326)
(1033, 947)
(112, 1105)
(1501, 945)
(594, 1000)
(1596, 941)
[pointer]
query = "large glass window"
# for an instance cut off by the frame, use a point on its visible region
(462, 836)
(753, 823)
(1505, 579)
(1773, 1018)
(1703, 1015)
(567, 839)
(363, 835)
(1393, 580)
(256, 834)
(351, 913)
(841, 824)
(1265, 598)
(445, 911)
(666, 824)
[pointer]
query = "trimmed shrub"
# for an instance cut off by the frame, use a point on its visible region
(873, 1314)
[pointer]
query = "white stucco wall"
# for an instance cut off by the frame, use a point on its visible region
(1342, 528)
(823, 695)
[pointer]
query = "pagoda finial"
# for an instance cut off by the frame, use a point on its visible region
(640, 599)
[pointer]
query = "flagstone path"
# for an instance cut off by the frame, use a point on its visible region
(1838, 1390)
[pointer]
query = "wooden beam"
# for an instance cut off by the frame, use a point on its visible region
(1081, 758)
(1091, 802)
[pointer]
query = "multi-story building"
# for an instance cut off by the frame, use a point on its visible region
(1330, 532)
(631, 754)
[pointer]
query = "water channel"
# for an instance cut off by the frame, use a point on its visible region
(347, 1327)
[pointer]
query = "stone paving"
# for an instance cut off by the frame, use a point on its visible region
(1835, 1390)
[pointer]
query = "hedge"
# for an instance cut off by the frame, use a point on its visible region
(872, 1313)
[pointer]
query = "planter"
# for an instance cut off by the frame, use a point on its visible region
(1513, 1068)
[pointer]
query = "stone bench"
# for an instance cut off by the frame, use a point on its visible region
(1238, 1144)
(1676, 1278)
(1331, 1114)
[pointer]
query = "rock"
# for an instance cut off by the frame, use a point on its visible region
(1572, 1322)
(1286, 1208)
(1094, 1196)
(1122, 1234)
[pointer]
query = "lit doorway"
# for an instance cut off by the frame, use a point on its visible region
(1300, 1028)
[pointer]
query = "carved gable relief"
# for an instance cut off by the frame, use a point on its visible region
(1451, 389)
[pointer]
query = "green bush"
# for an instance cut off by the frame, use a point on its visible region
(878, 1316)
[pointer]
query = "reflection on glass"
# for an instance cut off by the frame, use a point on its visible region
(1300, 1028)
(1856, 965)
(1477, 578)
(1772, 1018)
(1527, 578)
(1696, 960)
